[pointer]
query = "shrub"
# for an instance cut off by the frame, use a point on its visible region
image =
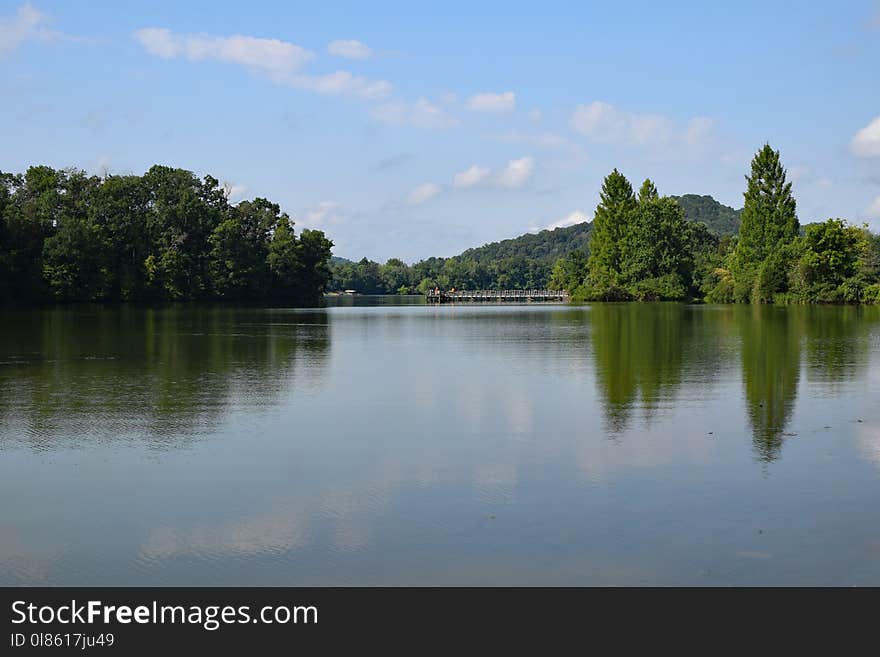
(871, 294)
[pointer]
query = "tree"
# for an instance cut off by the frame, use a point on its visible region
(395, 277)
(656, 261)
(833, 263)
(314, 257)
(610, 226)
(648, 191)
(569, 272)
(768, 223)
(75, 255)
(119, 208)
(31, 216)
(283, 259)
(73, 260)
(8, 183)
(184, 213)
(239, 248)
(166, 235)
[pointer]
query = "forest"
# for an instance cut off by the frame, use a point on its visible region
(642, 248)
(647, 247)
(168, 235)
(164, 236)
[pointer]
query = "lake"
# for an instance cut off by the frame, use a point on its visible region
(375, 443)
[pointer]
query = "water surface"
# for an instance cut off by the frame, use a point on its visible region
(412, 444)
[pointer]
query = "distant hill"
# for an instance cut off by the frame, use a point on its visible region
(549, 245)
(520, 262)
(546, 245)
(719, 219)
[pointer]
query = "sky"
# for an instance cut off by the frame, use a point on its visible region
(405, 130)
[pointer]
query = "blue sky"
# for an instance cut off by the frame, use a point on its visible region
(407, 131)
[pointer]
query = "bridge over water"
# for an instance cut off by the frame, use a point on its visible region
(495, 296)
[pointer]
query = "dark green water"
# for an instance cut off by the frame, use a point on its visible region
(539, 444)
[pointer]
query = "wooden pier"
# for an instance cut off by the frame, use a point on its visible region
(495, 296)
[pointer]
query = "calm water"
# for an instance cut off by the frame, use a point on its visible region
(539, 444)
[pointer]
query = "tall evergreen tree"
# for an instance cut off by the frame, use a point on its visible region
(769, 224)
(610, 227)
(648, 191)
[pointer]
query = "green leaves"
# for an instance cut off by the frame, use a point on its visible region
(832, 264)
(611, 226)
(166, 235)
(768, 223)
(639, 249)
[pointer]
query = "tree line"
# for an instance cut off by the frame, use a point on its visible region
(164, 236)
(641, 248)
(397, 277)
(523, 262)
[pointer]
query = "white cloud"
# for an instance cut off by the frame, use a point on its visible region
(349, 49)
(270, 56)
(343, 83)
(327, 212)
(866, 143)
(421, 114)
(280, 61)
(26, 25)
(873, 210)
(423, 193)
(603, 122)
(516, 173)
(576, 217)
(491, 102)
(536, 114)
(471, 177)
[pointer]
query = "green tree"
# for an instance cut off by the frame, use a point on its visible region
(569, 272)
(31, 216)
(8, 184)
(239, 248)
(283, 259)
(611, 226)
(73, 260)
(119, 206)
(184, 213)
(656, 258)
(395, 276)
(768, 224)
(314, 256)
(833, 263)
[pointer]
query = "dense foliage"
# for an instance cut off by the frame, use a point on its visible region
(166, 235)
(772, 260)
(642, 248)
(524, 262)
(552, 259)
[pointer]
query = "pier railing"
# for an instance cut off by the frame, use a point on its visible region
(518, 296)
